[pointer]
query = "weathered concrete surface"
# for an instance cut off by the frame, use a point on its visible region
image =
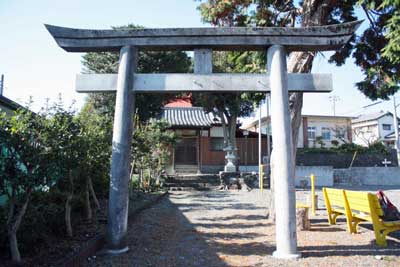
(343, 160)
(330, 37)
(323, 175)
(202, 65)
(121, 152)
(203, 61)
(282, 160)
(378, 176)
(234, 82)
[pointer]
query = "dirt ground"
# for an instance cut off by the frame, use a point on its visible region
(230, 228)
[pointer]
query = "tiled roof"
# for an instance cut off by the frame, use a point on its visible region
(370, 117)
(191, 117)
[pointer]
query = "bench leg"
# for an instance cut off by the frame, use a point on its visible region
(350, 226)
(383, 233)
(354, 225)
(380, 236)
(332, 218)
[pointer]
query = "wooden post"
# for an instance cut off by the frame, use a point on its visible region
(282, 159)
(121, 151)
(313, 204)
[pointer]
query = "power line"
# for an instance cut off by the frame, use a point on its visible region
(373, 104)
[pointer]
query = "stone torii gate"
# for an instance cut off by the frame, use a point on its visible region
(277, 41)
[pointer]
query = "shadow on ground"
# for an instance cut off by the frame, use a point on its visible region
(229, 229)
(163, 235)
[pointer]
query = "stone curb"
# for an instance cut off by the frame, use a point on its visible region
(97, 242)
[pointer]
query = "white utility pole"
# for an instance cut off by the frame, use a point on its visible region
(1, 84)
(259, 143)
(268, 129)
(334, 99)
(396, 129)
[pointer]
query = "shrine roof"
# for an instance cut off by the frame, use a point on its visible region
(189, 117)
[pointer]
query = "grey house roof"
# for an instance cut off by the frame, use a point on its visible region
(371, 117)
(8, 103)
(189, 117)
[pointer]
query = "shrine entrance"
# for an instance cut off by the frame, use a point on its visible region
(186, 151)
(276, 41)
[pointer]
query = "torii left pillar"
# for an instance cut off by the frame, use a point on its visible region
(121, 152)
(282, 160)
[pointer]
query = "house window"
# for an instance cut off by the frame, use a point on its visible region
(340, 133)
(387, 127)
(216, 144)
(326, 133)
(311, 133)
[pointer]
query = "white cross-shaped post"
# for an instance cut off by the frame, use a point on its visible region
(386, 162)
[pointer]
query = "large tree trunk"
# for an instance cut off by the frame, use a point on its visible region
(314, 12)
(68, 205)
(12, 239)
(13, 223)
(232, 135)
(231, 129)
(224, 128)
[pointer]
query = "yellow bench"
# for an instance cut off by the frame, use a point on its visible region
(364, 206)
(334, 203)
(358, 207)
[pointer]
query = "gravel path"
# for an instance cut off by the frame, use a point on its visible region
(214, 228)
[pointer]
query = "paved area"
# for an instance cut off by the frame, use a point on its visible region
(230, 228)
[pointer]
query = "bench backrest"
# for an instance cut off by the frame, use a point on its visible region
(363, 202)
(334, 197)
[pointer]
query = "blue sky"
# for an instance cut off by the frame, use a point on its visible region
(35, 66)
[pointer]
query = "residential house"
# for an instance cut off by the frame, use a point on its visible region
(7, 105)
(315, 130)
(375, 127)
(201, 140)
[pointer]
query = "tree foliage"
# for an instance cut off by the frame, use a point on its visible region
(147, 105)
(151, 147)
(25, 167)
(375, 50)
(50, 153)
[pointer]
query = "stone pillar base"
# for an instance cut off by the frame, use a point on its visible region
(117, 251)
(283, 256)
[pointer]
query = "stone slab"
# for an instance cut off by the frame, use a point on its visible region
(159, 83)
(317, 38)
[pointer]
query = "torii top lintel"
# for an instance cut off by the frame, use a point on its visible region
(317, 38)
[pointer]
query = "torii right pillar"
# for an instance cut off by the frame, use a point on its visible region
(282, 160)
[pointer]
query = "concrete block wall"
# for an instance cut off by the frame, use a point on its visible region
(383, 176)
(323, 175)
